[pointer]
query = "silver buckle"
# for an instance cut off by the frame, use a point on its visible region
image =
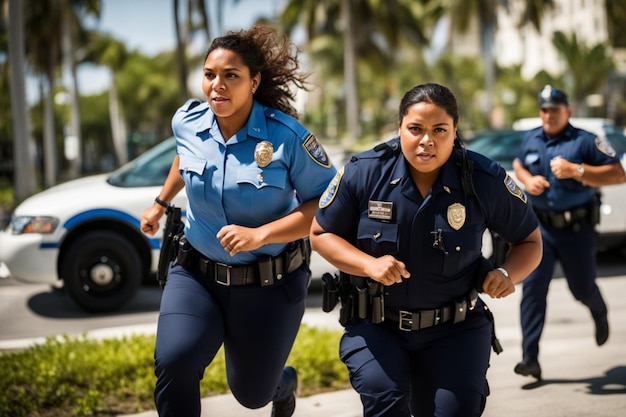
(221, 266)
(405, 320)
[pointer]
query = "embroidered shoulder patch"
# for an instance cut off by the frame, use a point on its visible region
(316, 151)
(514, 189)
(605, 146)
(331, 190)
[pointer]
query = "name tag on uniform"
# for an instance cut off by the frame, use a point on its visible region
(381, 210)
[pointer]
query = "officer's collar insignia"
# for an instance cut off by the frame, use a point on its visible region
(263, 153)
(331, 190)
(395, 181)
(514, 189)
(456, 215)
(316, 151)
(446, 189)
(605, 147)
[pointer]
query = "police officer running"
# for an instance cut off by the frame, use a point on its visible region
(404, 223)
(253, 176)
(560, 166)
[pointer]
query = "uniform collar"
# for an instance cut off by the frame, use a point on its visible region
(449, 174)
(256, 126)
(257, 123)
(565, 134)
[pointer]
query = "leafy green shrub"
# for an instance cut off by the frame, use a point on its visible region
(79, 376)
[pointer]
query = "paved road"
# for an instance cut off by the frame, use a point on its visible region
(580, 379)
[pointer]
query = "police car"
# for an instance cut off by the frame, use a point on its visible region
(84, 234)
(502, 145)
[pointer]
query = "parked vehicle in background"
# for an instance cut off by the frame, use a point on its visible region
(84, 234)
(502, 145)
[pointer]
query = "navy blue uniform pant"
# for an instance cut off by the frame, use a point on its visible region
(257, 326)
(576, 251)
(439, 371)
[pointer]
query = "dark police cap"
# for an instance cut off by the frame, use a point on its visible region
(551, 97)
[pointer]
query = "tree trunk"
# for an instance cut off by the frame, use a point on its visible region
(118, 129)
(351, 85)
(23, 147)
(181, 60)
(50, 165)
(72, 87)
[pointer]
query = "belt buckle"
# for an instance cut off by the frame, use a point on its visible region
(405, 320)
(218, 277)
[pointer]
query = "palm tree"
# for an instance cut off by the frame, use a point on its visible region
(587, 68)
(24, 172)
(485, 13)
(44, 47)
(71, 13)
(112, 54)
(370, 30)
(616, 15)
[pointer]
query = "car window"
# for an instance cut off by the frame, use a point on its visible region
(616, 137)
(148, 169)
(500, 146)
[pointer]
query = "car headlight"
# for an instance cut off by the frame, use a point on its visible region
(33, 224)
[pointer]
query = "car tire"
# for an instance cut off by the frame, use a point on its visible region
(101, 271)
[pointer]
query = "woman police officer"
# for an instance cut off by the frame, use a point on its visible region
(400, 215)
(253, 176)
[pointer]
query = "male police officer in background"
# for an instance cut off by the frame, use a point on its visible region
(560, 165)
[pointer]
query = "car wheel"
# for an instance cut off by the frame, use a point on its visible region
(101, 271)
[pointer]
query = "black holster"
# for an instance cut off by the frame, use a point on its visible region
(172, 233)
(361, 298)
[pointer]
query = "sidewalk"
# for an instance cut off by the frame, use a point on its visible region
(580, 379)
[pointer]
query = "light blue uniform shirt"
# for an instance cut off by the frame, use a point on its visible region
(227, 184)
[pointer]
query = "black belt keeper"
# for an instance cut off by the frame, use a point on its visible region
(266, 271)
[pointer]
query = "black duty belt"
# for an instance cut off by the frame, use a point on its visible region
(563, 219)
(264, 272)
(420, 319)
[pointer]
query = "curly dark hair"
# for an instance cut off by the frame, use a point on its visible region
(276, 59)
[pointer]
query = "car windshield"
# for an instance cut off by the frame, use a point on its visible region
(148, 169)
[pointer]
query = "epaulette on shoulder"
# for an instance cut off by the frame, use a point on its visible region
(482, 163)
(381, 150)
(285, 119)
(191, 104)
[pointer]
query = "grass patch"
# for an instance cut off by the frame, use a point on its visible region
(79, 376)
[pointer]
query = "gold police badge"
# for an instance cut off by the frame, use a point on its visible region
(263, 153)
(456, 215)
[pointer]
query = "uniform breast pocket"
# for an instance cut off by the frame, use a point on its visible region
(378, 238)
(192, 170)
(264, 187)
(461, 249)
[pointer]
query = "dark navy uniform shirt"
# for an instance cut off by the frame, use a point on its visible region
(373, 203)
(262, 173)
(575, 145)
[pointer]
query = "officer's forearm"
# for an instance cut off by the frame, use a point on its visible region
(524, 257)
(597, 176)
(291, 227)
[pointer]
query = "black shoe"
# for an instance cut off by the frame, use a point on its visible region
(602, 329)
(286, 406)
(528, 367)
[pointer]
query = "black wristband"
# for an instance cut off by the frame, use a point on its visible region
(161, 202)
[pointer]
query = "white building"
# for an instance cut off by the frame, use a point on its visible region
(534, 50)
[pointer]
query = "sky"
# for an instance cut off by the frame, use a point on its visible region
(148, 26)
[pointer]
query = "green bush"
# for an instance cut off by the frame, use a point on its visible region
(78, 376)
